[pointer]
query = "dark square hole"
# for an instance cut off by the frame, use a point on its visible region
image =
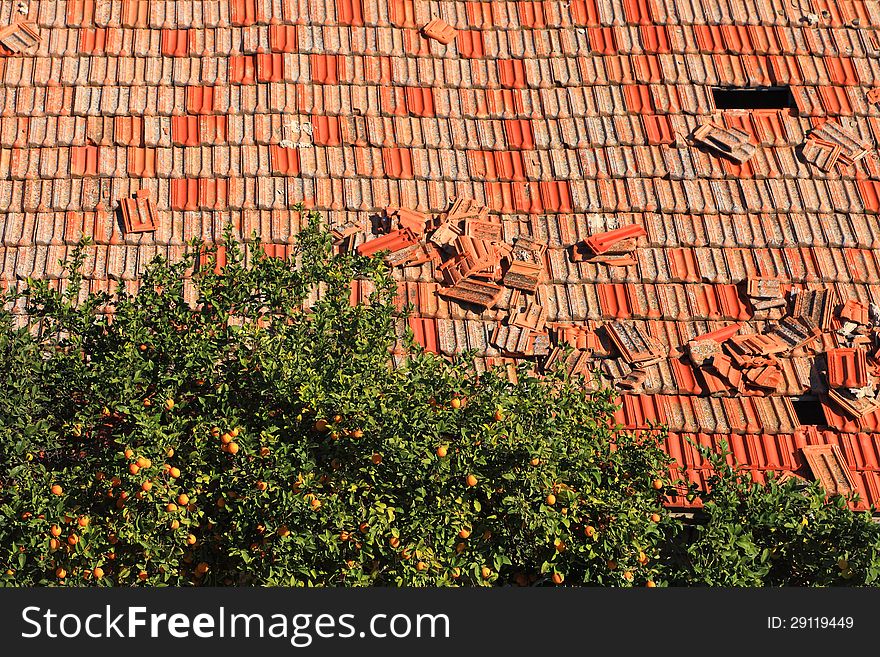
(809, 412)
(752, 98)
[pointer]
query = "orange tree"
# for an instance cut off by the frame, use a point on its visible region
(784, 533)
(246, 427)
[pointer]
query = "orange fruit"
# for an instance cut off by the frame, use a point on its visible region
(169, 452)
(56, 489)
(174, 472)
(455, 573)
(471, 480)
(143, 575)
(171, 507)
(455, 403)
(558, 578)
(183, 499)
(54, 544)
(655, 517)
(232, 448)
(147, 486)
(650, 584)
(215, 431)
(226, 438)
(128, 453)
(262, 485)
(201, 568)
(73, 539)
(98, 572)
(550, 499)
(376, 459)
(83, 521)
(394, 542)
(535, 462)
(357, 433)
(442, 451)
(315, 504)
(147, 403)
(628, 576)
(143, 463)
(321, 425)
(235, 431)
(134, 468)
(421, 566)
(283, 531)
(657, 484)
(190, 539)
(485, 572)
(55, 530)
(264, 451)
(643, 558)
(498, 415)
(590, 531)
(464, 533)
(344, 536)
(60, 573)
(175, 524)
(169, 404)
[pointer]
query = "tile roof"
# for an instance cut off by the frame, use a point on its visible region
(731, 253)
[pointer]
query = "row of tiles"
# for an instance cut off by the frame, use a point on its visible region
(416, 13)
(747, 235)
(468, 43)
(494, 73)
(372, 195)
(477, 165)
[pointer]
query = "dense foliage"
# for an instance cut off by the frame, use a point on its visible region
(261, 436)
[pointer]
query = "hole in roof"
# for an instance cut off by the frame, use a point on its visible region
(809, 412)
(747, 98)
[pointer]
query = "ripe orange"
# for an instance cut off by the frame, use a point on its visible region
(171, 507)
(560, 545)
(83, 521)
(98, 572)
(226, 438)
(421, 566)
(55, 530)
(129, 453)
(321, 425)
(535, 462)
(174, 472)
(363, 527)
(175, 524)
(655, 517)
(54, 544)
(485, 572)
(442, 451)
(134, 468)
(143, 462)
(143, 347)
(283, 531)
(357, 433)
(464, 533)
(550, 499)
(643, 558)
(169, 452)
(190, 539)
(235, 431)
(650, 584)
(471, 480)
(147, 486)
(215, 431)
(628, 576)
(558, 578)
(498, 415)
(169, 404)
(394, 542)
(315, 504)
(262, 485)
(201, 568)
(147, 403)
(143, 575)
(60, 573)
(455, 403)
(183, 499)
(376, 459)
(264, 451)
(344, 536)
(456, 573)
(73, 539)
(56, 489)
(657, 484)
(590, 531)
(232, 448)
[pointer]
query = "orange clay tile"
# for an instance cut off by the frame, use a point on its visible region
(439, 30)
(402, 13)
(512, 73)
(200, 100)
(242, 69)
(470, 44)
(141, 162)
(854, 311)
(283, 38)
(325, 130)
(270, 67)
(176, 43)
(397, 162)
(326, 69)
(350, 12)
(519, 134)
(285, 161)
(847, 368)
(84, 160)
(243, 12)
(139, 213)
